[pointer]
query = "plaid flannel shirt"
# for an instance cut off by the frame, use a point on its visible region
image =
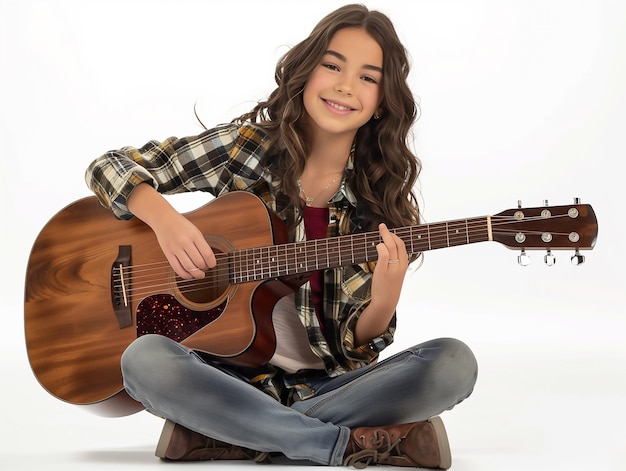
(228, 158)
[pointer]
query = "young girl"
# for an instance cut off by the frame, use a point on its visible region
(327, 152)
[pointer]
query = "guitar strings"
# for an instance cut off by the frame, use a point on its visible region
(208, 283)
(157, 277)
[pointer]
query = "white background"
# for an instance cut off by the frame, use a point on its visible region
(520, 100)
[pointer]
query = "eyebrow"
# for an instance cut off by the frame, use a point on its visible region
(343, 58)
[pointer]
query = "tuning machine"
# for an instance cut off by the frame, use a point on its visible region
(577, 258)
(523, 258)
(549, 259)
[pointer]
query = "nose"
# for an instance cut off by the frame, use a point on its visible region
(344, 85)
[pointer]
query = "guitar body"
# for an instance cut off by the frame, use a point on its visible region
(78, 324)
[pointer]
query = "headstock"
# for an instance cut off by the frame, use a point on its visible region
(547, 228)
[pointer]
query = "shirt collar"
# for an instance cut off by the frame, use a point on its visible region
(344, 191)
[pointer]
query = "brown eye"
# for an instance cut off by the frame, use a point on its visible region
(369, 79)
(330, 66)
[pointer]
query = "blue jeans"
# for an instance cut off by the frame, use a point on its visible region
(174, 382)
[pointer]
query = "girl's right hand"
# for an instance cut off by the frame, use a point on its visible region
(184, 246)
(181, 241)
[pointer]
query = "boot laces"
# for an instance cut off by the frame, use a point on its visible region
(260, 457)
(383, 448)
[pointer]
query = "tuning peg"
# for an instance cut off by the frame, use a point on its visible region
(549, 259)
(577, 258)
(523, 259)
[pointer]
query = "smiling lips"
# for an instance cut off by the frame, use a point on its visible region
(337, 106)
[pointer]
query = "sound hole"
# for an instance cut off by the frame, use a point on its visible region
(208, 289)
(215, 287)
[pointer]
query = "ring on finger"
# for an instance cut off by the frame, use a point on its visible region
(395, 260)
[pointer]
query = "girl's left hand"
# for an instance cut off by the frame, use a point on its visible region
(387, 280)
(391, 268)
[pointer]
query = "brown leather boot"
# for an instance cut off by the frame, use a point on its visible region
(417, 444)
(178, 443)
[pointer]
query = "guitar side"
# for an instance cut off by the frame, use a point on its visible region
(74, 339)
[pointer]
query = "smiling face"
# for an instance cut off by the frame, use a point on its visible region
(345, 88)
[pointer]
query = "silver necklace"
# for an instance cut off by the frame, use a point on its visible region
(308, 200)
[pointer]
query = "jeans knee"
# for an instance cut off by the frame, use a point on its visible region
(146, 358)
(460, 352)
(452, 361)
(462, 362)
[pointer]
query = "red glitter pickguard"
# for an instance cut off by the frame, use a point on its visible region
(163, 314)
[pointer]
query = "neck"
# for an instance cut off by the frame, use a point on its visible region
(329, 153)
(319, 254)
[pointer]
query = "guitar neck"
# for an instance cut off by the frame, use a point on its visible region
(282, 260)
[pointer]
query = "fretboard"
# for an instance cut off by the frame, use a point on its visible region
(260, 263)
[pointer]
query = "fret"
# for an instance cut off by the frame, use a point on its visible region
(289, 259)
(480, 232)
(327, 254)
(233, 269)
(371, 247)
(285, 259)
(262, 262)
(277, 260)
(436, 239)
(248, 258)
(267, 265)
(352, 249)
(256, 270)
(311, 258)
(334, 252)
(272, 269)
(416, 239)
(300, 258)
(240, 259)
(243, 265)
(457, 233)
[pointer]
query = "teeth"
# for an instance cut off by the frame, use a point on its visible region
(337, 106)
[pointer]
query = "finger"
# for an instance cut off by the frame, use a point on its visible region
(389, 240)
(206, 255)
(178, 268)
(188, 268)
(201, 256)
(395, 246)
(200, 253)
(383, 253)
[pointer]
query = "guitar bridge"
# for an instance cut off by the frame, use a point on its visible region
(120, 287)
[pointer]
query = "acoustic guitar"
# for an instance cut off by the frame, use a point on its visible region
(95, 283)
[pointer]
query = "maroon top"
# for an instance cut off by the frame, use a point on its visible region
(316, 227)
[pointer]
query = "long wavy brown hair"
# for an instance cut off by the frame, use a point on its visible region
(385, 169)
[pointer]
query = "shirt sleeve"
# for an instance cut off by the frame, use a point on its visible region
(364, 352)
(355, 286)
(204, 162)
